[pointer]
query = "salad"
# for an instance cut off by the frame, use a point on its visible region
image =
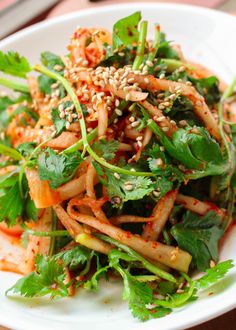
(117, 160)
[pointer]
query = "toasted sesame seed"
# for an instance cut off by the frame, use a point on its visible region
(172, 96)
(139, 144)
(67, 125)
(146, 80)
(179, 291)
(180, 80)
(139, 138)
(162, 76)
(121, 54)
(162, 148)
(166, 104)
(165, 129)
(161, 106)
(117, 176)
(173, 258)
(127, 96)
(57, 67)
(133, 170)
(117, 102)
(159, 119)
(149, 63)
(131, 119)
(85, 63)
(57, 92)
(115, 120)
(156, 193)
(183, 123)
(61, 107)
(188, 83)
(181, 69)
(89, 129)
(128, 186)
(55, 85)
(118, 112)
(135, 123)
(212, 263)
(62, 115)
(141, 66)
(130, 80)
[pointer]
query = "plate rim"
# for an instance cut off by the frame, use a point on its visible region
(56, 20)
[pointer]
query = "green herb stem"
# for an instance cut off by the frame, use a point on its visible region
(156, 43)
(149, 266)
(14, 85)
(141, 45)
(86, 146)
(79, 145)
(54, 233)
(229, 90)
(175, 64)
(53, 238)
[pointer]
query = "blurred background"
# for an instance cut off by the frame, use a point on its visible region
(18, 14)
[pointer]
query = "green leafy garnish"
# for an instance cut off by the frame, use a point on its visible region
(48, 278)
(57, 168)
(125, 31)
(106, 149)
(199, 236)
(14, 64)
(50, 60)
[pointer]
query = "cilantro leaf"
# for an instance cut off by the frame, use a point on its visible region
(14, 64)
(214, 274)
(50, 60)
(8, 179)
(31, 212)
(92, 283)
(125, 31)
(209, 88)
(106, 149)
(45, 86)
(165, 50)
(26, 148)
(11, 205)
(74, 257)
(57, 168)
(48, 278)
(5, 102)
(128, 187)
(199, 236)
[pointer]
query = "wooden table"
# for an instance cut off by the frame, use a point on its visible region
(228, 320)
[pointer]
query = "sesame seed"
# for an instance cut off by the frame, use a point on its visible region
(130, 80)
(132, 170)
(145, 68)
(188, 83)
(172, 96)
(67, 125)
(127, 97)
(74, 115)
(182, 68)
(61, 107)
(146, 80)
(117, 176)
(166, 104)
(55, 85)
(62, 115)
(160, 95)
(162, 76)
(131, 119)
(162, 148)
(70, 118)
(173, 258)
(159, 119)
(139, 138)
(115, 120)
(149, 63)
(121, 54)
(165, 129)
(212, 263)
(141, 66)
(57, 67)
(183, 123)
(180, 80)
(145, 72)
(118, 112)
(57, 92)
(179, 291)
(156, 193)
(139, 144)
(89, 129)
(161, 106)
(117, 102)
(128, 186)
(135, 123)
(85, 63)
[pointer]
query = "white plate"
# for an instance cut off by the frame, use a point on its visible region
(207, 37)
